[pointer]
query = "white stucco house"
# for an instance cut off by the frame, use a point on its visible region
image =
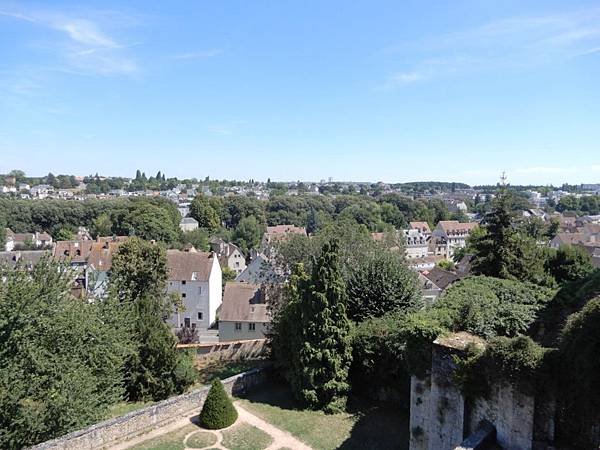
(449, 235)
(229, 255)
(197, 278)
(416, 243)
(188, 224)
(244, 314)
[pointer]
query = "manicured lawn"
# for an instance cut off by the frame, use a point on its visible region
(365, 426)
(201, 439)
(245, 437)
(169, 441)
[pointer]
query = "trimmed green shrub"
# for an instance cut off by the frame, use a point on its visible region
(218, 411)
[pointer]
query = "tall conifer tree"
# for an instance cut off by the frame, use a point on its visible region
(320, 349)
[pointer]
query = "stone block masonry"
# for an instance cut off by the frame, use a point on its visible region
(441, 418)
(111, 432)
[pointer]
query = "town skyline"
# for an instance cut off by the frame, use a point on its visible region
(493, 181)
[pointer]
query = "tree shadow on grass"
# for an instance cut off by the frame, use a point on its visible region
(275, 394)
(379, 426)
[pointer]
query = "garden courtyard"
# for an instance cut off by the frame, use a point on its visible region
(269, 420)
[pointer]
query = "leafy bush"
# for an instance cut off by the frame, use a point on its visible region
(490, 307)
(378, 355)
(419, 330)
(218, 411)
(518, 361)
(381, 283)
(571, 298)
(387, 350)
(569, 263)
(61, 359)
(580, 377)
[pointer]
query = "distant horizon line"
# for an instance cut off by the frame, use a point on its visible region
(320, 181)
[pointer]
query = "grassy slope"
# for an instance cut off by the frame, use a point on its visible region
(366, 426)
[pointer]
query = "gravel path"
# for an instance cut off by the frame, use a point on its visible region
(281, 439)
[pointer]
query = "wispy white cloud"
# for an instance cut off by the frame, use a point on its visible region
(517, 42)
(86, 45)
(402, 78)
(201, 54)
(226, 128)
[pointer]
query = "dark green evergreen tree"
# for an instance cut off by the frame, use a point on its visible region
(320, 346)
(570, 263)
(312, 224)
(502, 250)
(218, 411)
(138, 174)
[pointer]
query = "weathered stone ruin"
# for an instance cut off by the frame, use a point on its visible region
(442, 419)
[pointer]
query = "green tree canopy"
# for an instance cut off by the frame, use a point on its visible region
(248, 234)
(206, 215)
(570, 263)
(491, 307)
(502, 250)
(101, 226)
(61, 359)
(156, 370)
(381, 283)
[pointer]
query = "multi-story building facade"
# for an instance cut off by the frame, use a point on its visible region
(449, 235)
(197, 278)
(229, 255)
(416, 244)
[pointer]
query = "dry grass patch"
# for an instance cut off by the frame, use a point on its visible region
(245, 437)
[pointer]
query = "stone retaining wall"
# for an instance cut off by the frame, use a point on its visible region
(110, 432)
(440, 416)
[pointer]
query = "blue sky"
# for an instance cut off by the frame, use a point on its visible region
(363, 90)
